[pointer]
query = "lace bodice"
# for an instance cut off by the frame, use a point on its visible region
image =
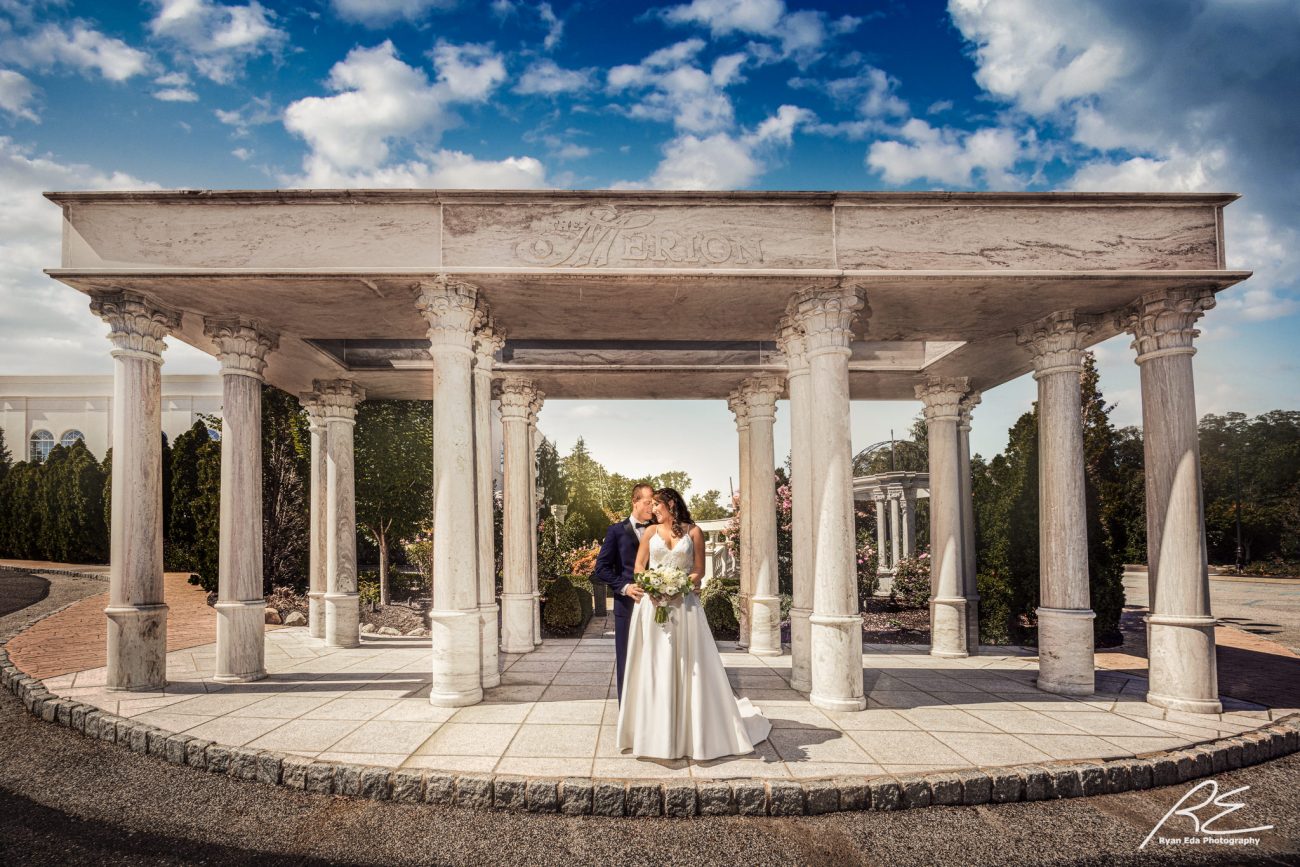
(681, 555)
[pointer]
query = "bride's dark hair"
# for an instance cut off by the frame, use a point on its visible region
(676, 506)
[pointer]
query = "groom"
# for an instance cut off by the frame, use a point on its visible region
(615, 566)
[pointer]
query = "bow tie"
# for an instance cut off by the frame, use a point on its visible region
(638, 525)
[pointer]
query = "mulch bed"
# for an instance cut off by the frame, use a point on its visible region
(400, 617)
(886, 623)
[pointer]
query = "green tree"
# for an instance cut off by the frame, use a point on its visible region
(550, 477)
(6, 458)
(182, 523)
(79, 498)
(50, 543)
(708, 506)
(286, 459)
(1102, 478)
(678, 480)
(586, 482)
(394, 474)
(21, 521)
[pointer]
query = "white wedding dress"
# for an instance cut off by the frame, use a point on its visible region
(677, 702)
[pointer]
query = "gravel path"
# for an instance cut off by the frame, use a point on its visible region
(64, 799)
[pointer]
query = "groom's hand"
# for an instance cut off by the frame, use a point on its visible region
(634, 592)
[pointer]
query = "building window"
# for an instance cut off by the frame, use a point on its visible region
(69, 438)
(41, 443)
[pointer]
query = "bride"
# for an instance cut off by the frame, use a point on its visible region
(677, 702)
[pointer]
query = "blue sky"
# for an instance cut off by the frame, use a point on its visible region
(716, 94)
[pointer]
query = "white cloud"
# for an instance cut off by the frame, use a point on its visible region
(75, 45)
(174, 87)
(949, 156)
(1191, 104)
(243, 154)
(546, 78)
(723, 161)
(256, 112)
(380, 100)
(554, 26)
(444, 169)
(378, 13)
(17, 95)
(677, 91)
(218, 39)
(801, 35)
(46, 327)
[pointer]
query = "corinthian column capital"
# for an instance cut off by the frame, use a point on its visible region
(1056, 342)
(450, 307)
(338, 398)
(137, 323)
(489, 339)
(517, 396)
(790, 338)
(760, 394)
(942, 396)
(739, 406)
(966, 407)
(1163, 323)
(315, 409)
(825, 315)
(242, 344)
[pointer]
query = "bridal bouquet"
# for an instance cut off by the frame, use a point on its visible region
(663, 584)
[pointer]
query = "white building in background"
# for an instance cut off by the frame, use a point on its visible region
(38, 411)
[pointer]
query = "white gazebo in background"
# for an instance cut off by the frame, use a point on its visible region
(894, 495)
(821, 298)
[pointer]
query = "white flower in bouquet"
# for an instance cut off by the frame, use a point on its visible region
(663, 584)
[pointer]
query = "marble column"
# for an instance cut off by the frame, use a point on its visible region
(339, 399)
(488, 340)
(1180, 627)
(895, 530)
(517, 624)
(942, 397)
(242, 347)
(534, 441)
(317, 555)
(740, 409)
(882, 534)
(760, 394)
(969, 584)
(448, 305)
(1065, 616)
(907, 512)
(791, 341)
(137, 615)
(825, 316)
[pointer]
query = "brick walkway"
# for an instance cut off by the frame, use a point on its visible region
(76, 638)
(1251, 667)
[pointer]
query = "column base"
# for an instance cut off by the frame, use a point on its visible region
(491, 664)
(948, 627)
(517, 623)
(742, 638)
(316, 614)
(537, 620)
(1065, 651)
(241, 650)
(456, 667)
(137, 647)
(837, 662)
(800, 650)
(884, 584)
(765, 626)
(342, 620)
(1182, 669)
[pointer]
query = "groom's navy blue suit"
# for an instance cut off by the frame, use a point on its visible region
(615, 567)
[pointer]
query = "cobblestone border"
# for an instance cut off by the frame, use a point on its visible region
(35, 570)
(674, 798)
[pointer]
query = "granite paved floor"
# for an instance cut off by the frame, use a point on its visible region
(555, 712)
